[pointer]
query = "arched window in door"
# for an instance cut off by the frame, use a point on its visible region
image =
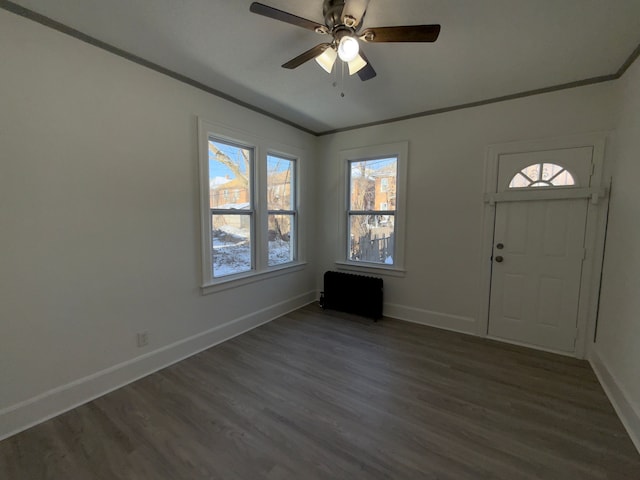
(542, 175)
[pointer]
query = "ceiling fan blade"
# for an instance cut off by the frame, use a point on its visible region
(286, 17)
(407, 33)
(355, 9)
(367, 72)
(306, 56)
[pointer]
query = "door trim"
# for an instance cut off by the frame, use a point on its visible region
(595, 194)
(594, 233)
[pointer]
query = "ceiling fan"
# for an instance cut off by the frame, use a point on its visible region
(343, 21)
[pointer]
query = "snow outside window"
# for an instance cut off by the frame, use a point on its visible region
(249, 203)
(232, 216)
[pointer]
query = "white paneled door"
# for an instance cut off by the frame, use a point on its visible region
(537, 266)
(538, 252)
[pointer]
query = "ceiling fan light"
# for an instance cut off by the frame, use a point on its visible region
(356, 64)
(326, 59)
(348, 48)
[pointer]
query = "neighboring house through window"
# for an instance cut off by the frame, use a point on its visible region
(374, 230)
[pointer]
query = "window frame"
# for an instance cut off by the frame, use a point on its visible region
(294, 203)
(400, 150)
(259, 236)
(545, 184)
(232, 196)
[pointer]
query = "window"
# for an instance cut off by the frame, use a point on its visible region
(374, 219)
(249, 204)
(542, 175)
(281, 203)
(232, 219)
(371, 224)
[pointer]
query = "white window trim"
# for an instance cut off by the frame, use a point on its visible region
(250, 212)
(401, 151)
(246, 278)
(375, 268)
(293, 212)
(261, 147)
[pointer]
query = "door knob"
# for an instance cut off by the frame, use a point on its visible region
(500, 246)
(499, 259)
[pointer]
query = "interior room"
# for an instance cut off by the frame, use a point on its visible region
(140, 141)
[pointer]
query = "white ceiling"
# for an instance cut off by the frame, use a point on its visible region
(486, 49)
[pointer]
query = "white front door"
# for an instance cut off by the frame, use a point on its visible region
(538, 251)
(537, 266)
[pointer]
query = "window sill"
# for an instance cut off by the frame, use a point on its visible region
(371, 268)
(251, 277)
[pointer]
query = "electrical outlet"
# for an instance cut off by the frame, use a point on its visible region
(142, 339)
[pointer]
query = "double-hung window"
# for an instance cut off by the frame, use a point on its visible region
(232, 216)
(249, 207)
(372, 197)
(375, 207)
(281, 203)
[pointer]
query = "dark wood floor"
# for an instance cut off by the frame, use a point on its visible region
(317, 395)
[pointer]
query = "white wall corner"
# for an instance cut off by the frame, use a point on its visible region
(628, 412)
(430, 318)
(49, 404)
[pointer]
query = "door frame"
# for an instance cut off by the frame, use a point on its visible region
(594, 233)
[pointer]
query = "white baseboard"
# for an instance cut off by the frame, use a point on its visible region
(49, 404)
(445, 321)
(629, 414)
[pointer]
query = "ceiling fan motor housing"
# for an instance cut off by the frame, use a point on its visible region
(333, 19)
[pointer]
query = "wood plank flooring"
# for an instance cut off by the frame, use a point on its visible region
(324, 395)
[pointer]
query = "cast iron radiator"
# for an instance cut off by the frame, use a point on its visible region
(351, 293)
